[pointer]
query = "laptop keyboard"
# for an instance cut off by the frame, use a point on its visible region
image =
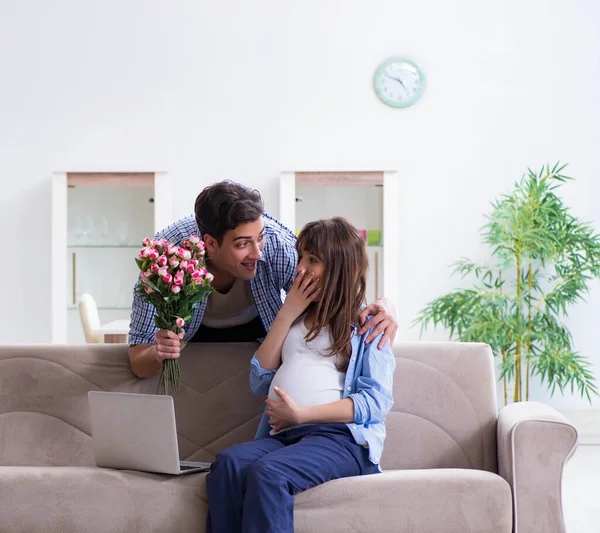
(184, 466)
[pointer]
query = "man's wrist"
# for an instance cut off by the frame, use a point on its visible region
(154, 354)
(386, 305)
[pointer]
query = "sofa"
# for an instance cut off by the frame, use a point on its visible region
(452, 463)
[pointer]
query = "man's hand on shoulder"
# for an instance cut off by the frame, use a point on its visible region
(383, 321)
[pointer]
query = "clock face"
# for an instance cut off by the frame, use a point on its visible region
(399, 82)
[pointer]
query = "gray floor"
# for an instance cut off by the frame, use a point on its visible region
(581, 491)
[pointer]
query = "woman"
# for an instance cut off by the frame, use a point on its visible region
(329, 392)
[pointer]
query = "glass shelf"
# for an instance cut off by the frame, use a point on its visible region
(125, 246)
(74, 308)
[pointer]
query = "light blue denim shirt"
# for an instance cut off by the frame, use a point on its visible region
(368, 384)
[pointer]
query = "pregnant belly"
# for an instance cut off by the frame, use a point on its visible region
(316, 385)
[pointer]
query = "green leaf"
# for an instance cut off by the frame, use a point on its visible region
(152, 285)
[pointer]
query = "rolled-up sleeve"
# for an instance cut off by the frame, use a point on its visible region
(141, 323)
(260, 378)
(373, 397)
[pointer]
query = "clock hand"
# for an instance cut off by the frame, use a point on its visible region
(398, 80)
(401, 83)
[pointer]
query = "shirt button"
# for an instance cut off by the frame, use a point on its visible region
(353, 426)
(349, 389)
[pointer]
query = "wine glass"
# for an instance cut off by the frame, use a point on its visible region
(103, 230)
(77, 230)
(89, 229)
(123, 233)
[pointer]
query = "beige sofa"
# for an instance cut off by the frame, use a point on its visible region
(452, 464)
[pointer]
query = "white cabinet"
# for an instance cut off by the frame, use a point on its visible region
(99, 221)
(366, 198)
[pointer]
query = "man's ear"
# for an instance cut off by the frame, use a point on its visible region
(211, 243)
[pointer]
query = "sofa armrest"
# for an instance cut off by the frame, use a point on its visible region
(534, 443)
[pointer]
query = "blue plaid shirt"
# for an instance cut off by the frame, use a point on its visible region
(275, 273)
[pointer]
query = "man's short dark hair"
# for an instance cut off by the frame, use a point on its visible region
(225, 205)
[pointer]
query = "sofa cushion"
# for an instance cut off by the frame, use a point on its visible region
(90, 500)
(86, 500)
(423, 501)
(44, 417)
(444, 413)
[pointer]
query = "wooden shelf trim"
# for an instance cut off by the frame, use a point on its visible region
(108, 179)
(356, 178)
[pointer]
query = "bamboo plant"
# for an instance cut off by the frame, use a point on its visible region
(542, 261)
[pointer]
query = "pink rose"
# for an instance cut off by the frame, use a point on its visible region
(187, 255)
(173, 261)
(148, 290)
(147, 242)
(175, 289)
(193, 262)
(209, 277)
(196, 274)
(194, 239)
(200, 245)
(153, 254)
(162, 272)
(162, 260)
(190, 267)
(146, 252)
(172, 250)
(179, 322)
(178, 281)
(155, 267)
(183, 265)
(167, 278)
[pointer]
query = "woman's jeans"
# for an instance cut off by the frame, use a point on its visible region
(251, 486)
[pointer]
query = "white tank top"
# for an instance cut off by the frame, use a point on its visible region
(306, 374)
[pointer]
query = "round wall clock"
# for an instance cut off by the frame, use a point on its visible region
(399, 82)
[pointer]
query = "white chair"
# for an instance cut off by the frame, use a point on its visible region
(90, 320)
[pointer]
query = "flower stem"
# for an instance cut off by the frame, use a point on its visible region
(170, 377)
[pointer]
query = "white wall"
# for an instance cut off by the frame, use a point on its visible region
(209, 90)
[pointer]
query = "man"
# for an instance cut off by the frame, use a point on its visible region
(253, 259)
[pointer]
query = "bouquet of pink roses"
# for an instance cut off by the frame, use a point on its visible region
(174, 280)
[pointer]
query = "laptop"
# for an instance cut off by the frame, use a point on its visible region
(137, 432)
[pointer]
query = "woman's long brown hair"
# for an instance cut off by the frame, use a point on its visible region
(341, 249)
